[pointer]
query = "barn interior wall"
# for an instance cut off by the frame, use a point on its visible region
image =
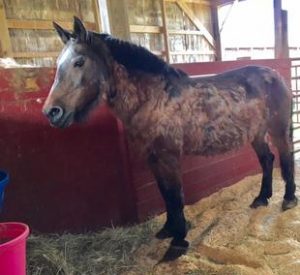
(186, 43)
(30, 31)
(31, 38)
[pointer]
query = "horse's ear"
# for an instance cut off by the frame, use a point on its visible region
(64, 34)
(79, 30)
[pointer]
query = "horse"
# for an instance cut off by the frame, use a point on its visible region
(167, 114)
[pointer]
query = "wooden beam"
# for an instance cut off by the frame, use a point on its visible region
(216, 32)
(202, 2)
(96, 9)
(278, 28)
(5, 43)
(159, 29)
(43, 24)
(118, 18)
(196, 21)
(285, 42)
(159, 53)
(165, 29)
(185, 32)
(34, 54)
(145, 29)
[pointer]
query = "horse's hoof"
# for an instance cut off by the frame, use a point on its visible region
(179, 244)
(259, 202)
(288, 204)
(176, 250)
(163, 234)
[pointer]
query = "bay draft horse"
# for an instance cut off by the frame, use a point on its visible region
(167, 114)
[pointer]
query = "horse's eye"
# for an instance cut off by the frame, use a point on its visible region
(79, 63)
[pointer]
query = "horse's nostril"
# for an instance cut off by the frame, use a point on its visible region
(55, 113)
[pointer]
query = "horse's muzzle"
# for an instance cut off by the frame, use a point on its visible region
(54, 114)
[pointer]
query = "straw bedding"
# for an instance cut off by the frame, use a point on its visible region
(227, 238)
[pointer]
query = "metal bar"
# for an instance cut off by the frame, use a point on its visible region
(296, 128)
(296, 141)
(296, 151)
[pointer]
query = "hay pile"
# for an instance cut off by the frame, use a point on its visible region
(107, 252)
(227, 238)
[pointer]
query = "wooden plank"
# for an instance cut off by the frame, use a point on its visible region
(159, 29)
(185, 32)
(196, 21)
(216, 32)
(284, 42)
(96, 9)
(34, 54)
(159, 53)
(202, 2)
(145, 29)
(165, 29)
(43, 24)
(277, 28)
(5, 46)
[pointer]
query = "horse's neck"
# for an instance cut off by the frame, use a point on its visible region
(130, 91)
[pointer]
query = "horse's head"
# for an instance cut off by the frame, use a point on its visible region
(81, 77)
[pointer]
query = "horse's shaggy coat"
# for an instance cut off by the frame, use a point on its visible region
(168, 114)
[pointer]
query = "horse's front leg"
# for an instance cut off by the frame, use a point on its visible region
(166, 169)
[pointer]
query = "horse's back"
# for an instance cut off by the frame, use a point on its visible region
(238, 105)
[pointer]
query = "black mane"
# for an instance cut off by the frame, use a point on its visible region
(135, 57)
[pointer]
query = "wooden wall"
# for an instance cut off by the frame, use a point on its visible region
(28, 34)
(179, 31)
(186, 27)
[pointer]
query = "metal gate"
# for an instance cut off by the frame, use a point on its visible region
(295, 85)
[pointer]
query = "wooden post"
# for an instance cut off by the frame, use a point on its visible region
(216, 32)
(5, 44)
(165, 29)
(96, 9)
(118, 18)
(190, 14)
(285, 42)
(278, 28)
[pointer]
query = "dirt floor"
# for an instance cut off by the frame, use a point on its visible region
(227, 238)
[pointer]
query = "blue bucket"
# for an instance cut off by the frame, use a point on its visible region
(4, 178)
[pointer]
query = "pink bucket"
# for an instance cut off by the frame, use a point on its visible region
(13, 238)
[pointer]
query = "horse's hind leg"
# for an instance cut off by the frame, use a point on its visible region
(166, 169)
(286, 156)
(266, 159)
